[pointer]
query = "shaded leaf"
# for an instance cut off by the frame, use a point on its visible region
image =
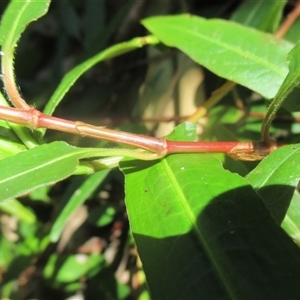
(293, 35)
(291, 222)
(70, 78)
(83, 192)
(263, 15)
(232, 51)
(275, 179)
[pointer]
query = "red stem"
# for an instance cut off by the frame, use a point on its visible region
(213, 147)
(35, 119)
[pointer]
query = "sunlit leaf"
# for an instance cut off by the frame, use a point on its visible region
(244, 55)
(42, 165)
(73, 267)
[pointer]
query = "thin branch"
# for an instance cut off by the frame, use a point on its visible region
(9, 82)
(289, 21)
(159, 147)
(216, 96)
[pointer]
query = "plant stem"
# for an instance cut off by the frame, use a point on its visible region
(159, 147)
(9, 82)
(248, 151)
(289, 21)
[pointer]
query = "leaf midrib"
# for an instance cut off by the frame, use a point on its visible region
(192, 219)
(44, 165)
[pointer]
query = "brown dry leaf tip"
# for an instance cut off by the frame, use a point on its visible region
(251, 151)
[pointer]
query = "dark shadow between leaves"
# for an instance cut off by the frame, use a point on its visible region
(132, 167)
(235, 251)
(277, 198)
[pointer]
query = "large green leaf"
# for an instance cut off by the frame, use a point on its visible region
(262, 15)
(238, 53)
(203, 233)
(275, 179)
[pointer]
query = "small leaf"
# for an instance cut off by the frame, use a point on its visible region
(79, 196)
(73, 267)
(70, 78)
(17, 209)
(244, 55)
(275, 179)
(291, 222)
(291, 83)
(288, 94)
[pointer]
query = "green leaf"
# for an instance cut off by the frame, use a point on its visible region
(263, 15)
(203, 233)
(47, 164)
(17, 209)
(244, 55)
(293, 35)
(288, 94)
(39, 166)
(291, 222)
(83, 192)
(80, 69)
(17, 16)
(72, 268)
(275, 179)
